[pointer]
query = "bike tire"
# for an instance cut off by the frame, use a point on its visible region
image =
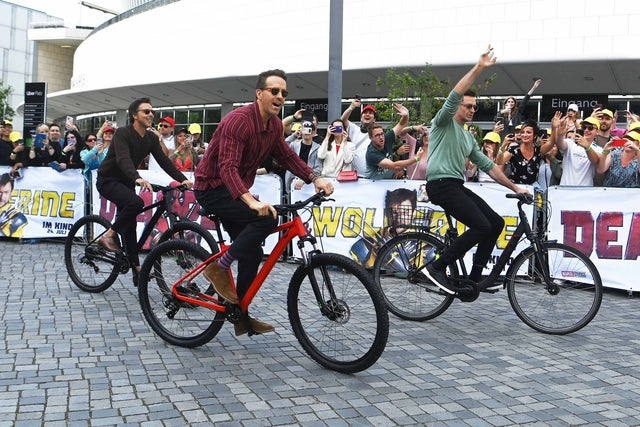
(176, 322)
(192, 232)
(90, 267)
(352, 333)
(568, 306)
(398, 271)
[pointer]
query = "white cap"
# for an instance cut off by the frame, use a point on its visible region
(573, 107)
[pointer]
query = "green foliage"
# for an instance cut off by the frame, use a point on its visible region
(423, 94)
(5, 109)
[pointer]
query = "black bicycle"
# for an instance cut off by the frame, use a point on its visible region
(94, 269)
(553, 288)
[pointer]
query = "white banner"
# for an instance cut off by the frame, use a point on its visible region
(49, 201)
(604, 224)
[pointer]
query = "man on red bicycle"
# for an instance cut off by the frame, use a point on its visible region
(240, 144)
(450, 147)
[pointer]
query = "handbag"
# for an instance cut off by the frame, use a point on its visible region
(347, 176)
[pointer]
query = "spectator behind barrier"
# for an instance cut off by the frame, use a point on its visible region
(581, 154)
(524, 158)
(619, 161)
(70, 155)
(184, 158)
(336, 151)
(307, 150)
(512, 114)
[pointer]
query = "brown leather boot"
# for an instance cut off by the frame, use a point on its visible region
(110, 243)
(219, 278)
(257, 326)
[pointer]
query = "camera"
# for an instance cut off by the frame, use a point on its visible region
(337, 129)
(306, 130)
(580, 132)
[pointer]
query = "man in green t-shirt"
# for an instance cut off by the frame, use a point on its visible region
(449, 149)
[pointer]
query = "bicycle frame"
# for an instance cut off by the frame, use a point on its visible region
(290, 229)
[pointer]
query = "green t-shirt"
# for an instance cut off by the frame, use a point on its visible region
(375, 156)
(451, 144)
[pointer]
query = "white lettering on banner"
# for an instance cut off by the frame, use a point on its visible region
(562, 104)
(314, 107)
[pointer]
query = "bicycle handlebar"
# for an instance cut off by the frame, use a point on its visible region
(167, 188)
(522, 197)
(316, 199)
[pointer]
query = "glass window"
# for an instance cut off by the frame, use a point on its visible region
(212, 115)
(486, 111)
(207, 132)
(181, 117)
(196, 116)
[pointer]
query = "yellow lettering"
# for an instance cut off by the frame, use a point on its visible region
(326, 221)
(66, 207)
(510, 224)
(36, 203)
(50, 203)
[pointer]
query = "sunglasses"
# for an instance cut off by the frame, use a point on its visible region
(91, 139)
(473, 107)
(164, 125)
(147, 111)
(275, 91)
(588, 127)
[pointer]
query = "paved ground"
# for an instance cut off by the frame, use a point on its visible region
(73, 358)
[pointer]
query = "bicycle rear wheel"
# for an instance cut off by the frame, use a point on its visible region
(565, 305)
(175, 321)
(399, 271)
(90, 267)
(343, 323)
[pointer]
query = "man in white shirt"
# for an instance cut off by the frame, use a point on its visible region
(167, 142)
(581, 154)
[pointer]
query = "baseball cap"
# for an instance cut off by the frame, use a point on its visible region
(607, 112)
(492, 136)
(295, 126)
(15, 136)
(369, 108)
(573, 107)
(7, 123)
(591, 121)
(108, 129)
(183, 130)
(634, 126)
(634, 135)
(195, 128)
(168, 120)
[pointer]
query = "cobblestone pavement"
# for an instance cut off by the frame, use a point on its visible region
(74, 358)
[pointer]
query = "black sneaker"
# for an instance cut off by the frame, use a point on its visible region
(440, 279)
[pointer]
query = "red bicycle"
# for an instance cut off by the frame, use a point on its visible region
(336, 311)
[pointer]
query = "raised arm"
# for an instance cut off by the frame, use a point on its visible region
(487, 59)
(345, 115)
(404, 118)
(558, 130)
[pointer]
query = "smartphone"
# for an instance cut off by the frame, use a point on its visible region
(337, 129)
(499, 121)
(405, 142)
(40, 139)
(69, 121)
(56, 166)
(580, 132)
(618, 142)
(307, 116)
(358, 98)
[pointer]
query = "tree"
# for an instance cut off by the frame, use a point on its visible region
(6, 110)
(423, 94)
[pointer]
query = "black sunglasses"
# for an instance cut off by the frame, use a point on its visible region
(275, 91)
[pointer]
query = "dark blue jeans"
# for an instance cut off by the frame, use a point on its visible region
(245, 227)
(484, 224)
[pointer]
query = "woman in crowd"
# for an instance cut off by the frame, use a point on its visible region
(512, 114)
(523, 156)
(620, 163)
(417, 170)
(72, 144)
(490, 143)
(336, 151)
(96, 150)
(185, 157)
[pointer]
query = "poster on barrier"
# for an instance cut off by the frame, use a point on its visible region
(604, 224)
(357, 223)
(267, 187)
(43, 202)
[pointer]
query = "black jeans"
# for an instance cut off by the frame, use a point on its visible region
(484, 224)
(246, 229)
(129, 206)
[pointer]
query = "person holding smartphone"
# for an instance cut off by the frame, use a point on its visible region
(580, 154)
(336, 151)
(620, 160)
(512, 113)
(70, 154)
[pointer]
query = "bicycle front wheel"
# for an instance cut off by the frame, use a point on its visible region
(89, 265)
(568, 302)
(337, 313)
(191, 232)
(399, 271)
(176, 322)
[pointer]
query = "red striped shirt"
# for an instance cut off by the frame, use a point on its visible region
(239, 146)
